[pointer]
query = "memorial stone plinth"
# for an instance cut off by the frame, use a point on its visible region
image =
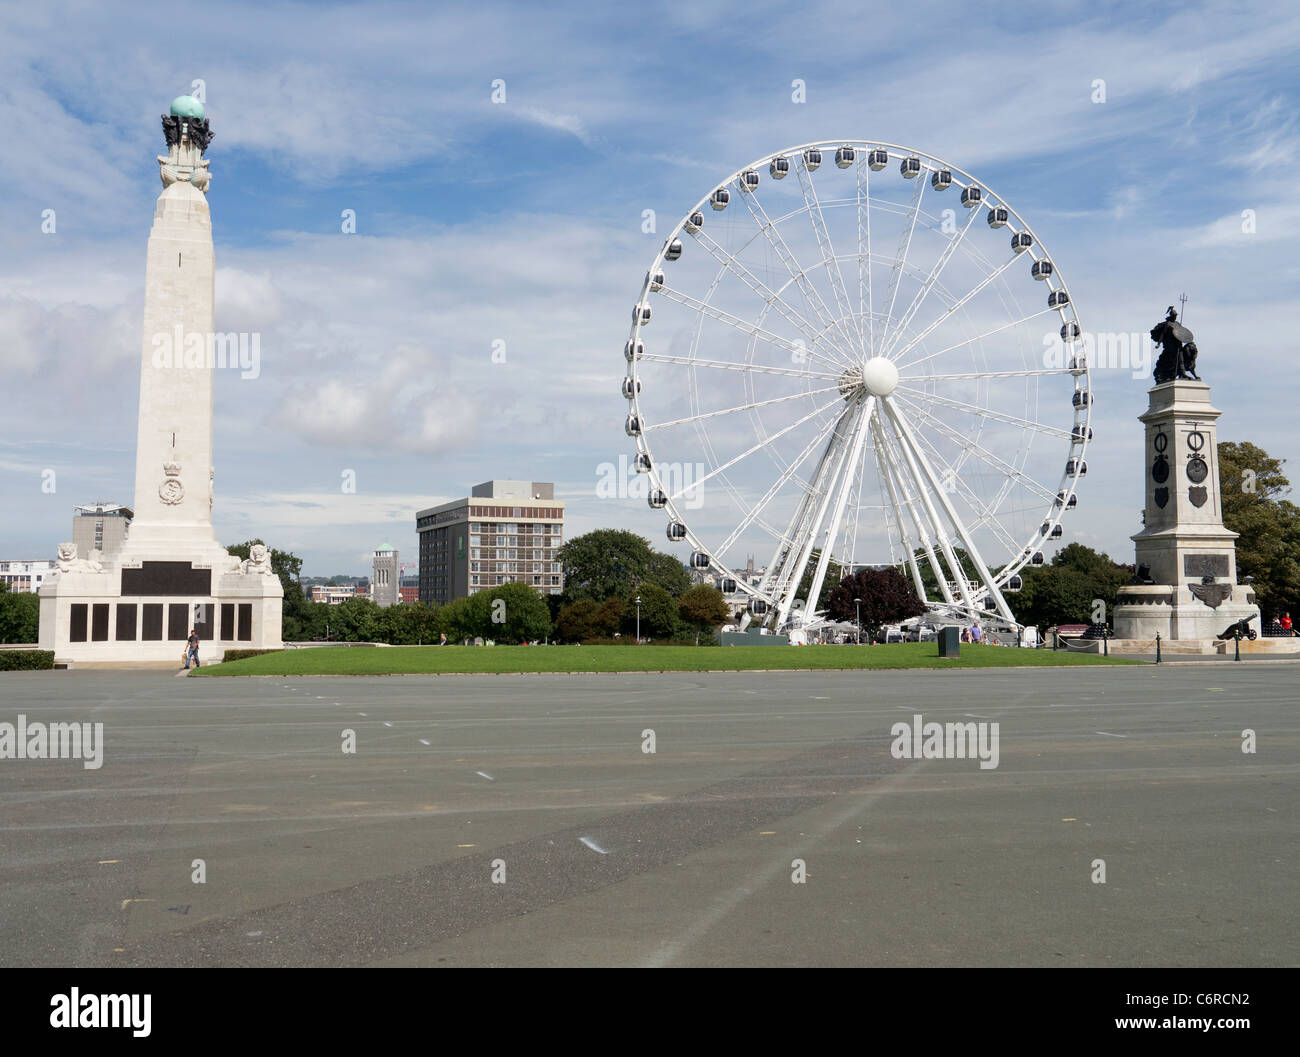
(1186, 558)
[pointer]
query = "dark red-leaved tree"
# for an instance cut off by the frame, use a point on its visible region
(887, 597)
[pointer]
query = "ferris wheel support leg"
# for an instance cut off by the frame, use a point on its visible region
(898, 509)
(832, 528)
(922, 533)
(910, 453)
(923, 536)
(840, 444)
(953, 516)
(774, 576)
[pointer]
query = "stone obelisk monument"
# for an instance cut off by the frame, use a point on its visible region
(1186, 589)
(171, 575)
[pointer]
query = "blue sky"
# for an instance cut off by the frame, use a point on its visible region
(521, 222)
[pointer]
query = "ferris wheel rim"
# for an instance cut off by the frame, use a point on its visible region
(1078, 437)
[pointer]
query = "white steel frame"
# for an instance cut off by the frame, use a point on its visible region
(898, 427)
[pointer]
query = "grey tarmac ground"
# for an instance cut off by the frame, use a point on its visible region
(617, 857)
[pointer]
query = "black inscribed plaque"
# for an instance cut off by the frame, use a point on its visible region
(203, 622)
(166, 578)
(126, 621)
(1205, 565)
(227, 621)
(178, 621)
(99, 622)
(151, 625)
(77, 622)
(246, 622)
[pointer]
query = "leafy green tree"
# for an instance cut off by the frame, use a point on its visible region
(309, 625)
(1069, 589)
(667, 572)
(577, 622)
(1253, 487)
(20, 616)
(609, 562)
(516, 612)
(704, 608)
(1054, 594)
(887, 597)
(357, 619)
(410, 624)
(659, 617)
(467, 618)
(609, 618)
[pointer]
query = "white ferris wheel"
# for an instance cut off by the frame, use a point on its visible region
(854, 352)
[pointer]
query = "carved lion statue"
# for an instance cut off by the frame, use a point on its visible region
(259, 561)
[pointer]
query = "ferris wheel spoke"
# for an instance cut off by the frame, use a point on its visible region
(756, 447)
(976, 376)
(775, 488)
(984, 412)
(959, 303)
(928, 284)
(978, 337)
(741, 407)
(732, 365)
(866, 309)
(978, 449)
(798, 352)
(769, 296)
(900, 258)
(800, 276)
(913, 449)
(827, 249)
(986, 517)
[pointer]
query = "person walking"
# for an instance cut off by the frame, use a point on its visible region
(442, 638)
(1286, 624)
(976, 633)
(192, 649)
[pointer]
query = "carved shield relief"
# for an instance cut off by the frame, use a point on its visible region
(1162, 497)
(1198, 495)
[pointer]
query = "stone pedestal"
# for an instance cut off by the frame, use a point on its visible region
(170, 575)
(1191, 558)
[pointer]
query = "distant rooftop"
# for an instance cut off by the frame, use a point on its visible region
(513, 490)
(105, 510)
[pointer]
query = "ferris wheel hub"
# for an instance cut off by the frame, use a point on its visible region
(879, 376)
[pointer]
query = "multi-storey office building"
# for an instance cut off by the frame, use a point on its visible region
(504, 532)
(24, 576)
(100, 527)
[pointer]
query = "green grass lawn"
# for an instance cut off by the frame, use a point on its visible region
(417, 660)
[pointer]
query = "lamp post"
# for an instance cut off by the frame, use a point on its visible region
(638, 620)
(858, 603)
